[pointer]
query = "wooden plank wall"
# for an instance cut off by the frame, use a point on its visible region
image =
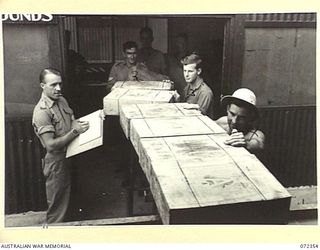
(280, 65)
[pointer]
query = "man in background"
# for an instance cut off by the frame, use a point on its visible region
(152, 58)
(174, 66)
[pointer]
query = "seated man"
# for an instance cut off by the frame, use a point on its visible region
(196, 91)
(239, 122)
(130, 69)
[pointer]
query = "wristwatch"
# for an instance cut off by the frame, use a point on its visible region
(75, 132)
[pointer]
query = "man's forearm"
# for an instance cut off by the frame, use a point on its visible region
(58, 143)
(255, 145)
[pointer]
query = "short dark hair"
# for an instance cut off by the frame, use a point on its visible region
(129, 45)
(192, 58)
(46, 71)
(146, 30)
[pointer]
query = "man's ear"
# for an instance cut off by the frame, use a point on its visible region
(42, 85)
(199, 70)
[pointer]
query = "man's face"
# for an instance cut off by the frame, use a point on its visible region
(238, 118)
(146, 39)
(51, 86)
(190, 72)
(181, 44)
(130, 56)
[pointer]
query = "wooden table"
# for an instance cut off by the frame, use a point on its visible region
(195, 178)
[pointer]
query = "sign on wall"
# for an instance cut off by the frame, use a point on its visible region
(28, 18)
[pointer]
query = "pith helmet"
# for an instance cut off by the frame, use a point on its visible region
(243, 96)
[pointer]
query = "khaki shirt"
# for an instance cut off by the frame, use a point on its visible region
(121, 71)
(154, 59)
(199, 93)
(52, 116)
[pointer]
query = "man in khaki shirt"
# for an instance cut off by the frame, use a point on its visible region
(154, 59)
(196, 91)
(130, 69)
(54, 124)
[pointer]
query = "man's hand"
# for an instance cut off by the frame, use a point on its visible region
(236, 139)
(171, 83)
(102, 115)
(81, 126)
(191, 106)
(133, 74)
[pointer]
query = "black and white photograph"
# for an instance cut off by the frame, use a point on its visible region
(159, 119)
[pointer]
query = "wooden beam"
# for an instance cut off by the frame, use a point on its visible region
(135, 220)
(303, 198)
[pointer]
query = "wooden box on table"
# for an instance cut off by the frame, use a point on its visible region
(123, 96)
(140, 111)
(156, 85)
(196, 179)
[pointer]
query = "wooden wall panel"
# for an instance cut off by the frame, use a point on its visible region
(279, 65)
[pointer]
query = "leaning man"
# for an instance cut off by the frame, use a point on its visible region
(54, 124)
(242, 115)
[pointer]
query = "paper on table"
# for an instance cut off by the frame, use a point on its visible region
(94, 130)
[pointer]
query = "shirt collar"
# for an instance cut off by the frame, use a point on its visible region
(46, 101)
(197, 84)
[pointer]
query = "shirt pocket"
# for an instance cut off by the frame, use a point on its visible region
(68, 110)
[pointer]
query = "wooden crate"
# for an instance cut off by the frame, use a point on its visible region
(171, 126)
(122, 96)
(198, 179)
(140, 111)
(156, 85)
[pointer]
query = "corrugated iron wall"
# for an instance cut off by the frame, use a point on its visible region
(94, 36)
(24, 182)
(290, 152)
(70, 23)
(282, 17)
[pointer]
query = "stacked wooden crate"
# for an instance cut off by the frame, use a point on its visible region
(156, 85)
(194, 177)
(134, 92)
(122, 96)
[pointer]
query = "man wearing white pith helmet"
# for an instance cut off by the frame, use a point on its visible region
(239, 122)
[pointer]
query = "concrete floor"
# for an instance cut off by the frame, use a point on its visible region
(99, 192)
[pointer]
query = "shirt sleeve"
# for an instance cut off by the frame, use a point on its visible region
(112, 77)
(42, 122)
(144, 74)
(205, 100)
(163, 65)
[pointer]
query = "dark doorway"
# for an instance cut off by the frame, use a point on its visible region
(205, 36)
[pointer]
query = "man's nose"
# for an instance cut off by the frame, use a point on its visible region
(234, 119)
(58, 87)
